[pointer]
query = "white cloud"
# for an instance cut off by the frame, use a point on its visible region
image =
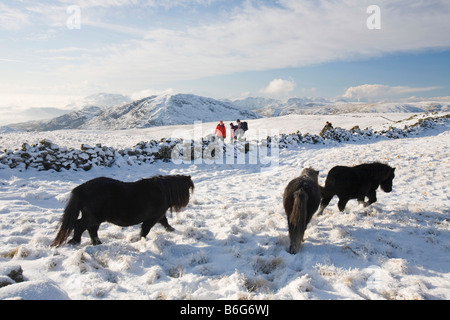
(11, 18)
(279, 87)
(150, 92)
(251, 36)
(166, 4)
(378, 91)
(254, 38)
(102, 3)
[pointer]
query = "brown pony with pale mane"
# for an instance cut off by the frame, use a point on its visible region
(301, 200)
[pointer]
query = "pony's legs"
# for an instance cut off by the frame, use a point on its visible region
(148, 224)
(324, 203)
(372, 197)
(342, 203)
(80, 227)
(94, 236)
(166, 224)
(361, 201)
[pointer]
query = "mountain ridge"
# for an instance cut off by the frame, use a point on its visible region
(321, 106)
(180, 108)
(156, 110)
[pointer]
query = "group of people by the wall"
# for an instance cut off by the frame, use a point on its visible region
(237, 132)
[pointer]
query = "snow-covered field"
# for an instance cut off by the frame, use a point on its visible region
(285, 124)
(231, 241)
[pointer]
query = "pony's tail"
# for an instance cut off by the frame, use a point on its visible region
(322, 190)
(67, 223)
(326, 192)
(299, 211)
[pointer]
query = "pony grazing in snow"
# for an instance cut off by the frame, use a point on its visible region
(301, 200)
(356, 183)
(122, 203)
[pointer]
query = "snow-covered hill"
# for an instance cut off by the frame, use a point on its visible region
(162, 110)
(71, 120)
(117, 112)
(313, 124)
(321, 106)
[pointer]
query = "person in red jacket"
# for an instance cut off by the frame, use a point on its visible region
(221, 131)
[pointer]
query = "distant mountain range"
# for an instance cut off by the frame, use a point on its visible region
(152, 111)
(321, 106)
(117, 112)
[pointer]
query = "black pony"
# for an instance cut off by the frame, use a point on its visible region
(301, 200)
(122, 203)
(356, 183)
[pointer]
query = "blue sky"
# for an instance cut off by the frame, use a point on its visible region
(55, 52)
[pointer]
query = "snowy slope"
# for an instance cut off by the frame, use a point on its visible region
(166, 110)
(34, 117)
(71, 120)
(116, 112)
(322, 106)
(231, 241)
(162, 110)
(277, 125)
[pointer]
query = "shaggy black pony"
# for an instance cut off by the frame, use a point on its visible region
(122, 203)
(301, 200)
(356, 182)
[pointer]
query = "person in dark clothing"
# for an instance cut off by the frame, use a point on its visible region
(233, 129)
(240, 131)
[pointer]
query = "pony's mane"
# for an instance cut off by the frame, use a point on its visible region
(379, 169)
(175, 188)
